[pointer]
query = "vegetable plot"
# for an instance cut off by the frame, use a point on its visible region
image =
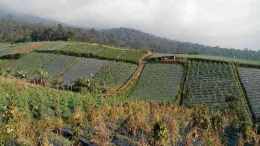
(29, 48)
(59, 64)
(31, 62)
(212, 84)
(99, 51)
(159, 82)
(250, 79)
(52, 46)
(115, 74)
(85, 67)
(9, 50)
(23, 62)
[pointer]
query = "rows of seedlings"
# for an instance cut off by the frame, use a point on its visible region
(250, 79)
(213, 84)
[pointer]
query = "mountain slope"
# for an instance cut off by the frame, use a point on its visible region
(136, 39)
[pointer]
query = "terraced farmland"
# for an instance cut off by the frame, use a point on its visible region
(4, 47)
(85, 67)
(52, 46)
(29, 48)
(10, 50)
(210, 84)
(4, 63)
(99, 51)
(31, 62)
(59, 65)
(208, 57)
(250, 79)
(24, 61)
(159, 82)
(132, 56)
(115, 74)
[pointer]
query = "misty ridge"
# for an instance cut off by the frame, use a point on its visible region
(17, 26)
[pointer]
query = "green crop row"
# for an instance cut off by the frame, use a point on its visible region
(212, 84)
(159, 82)
(115, 74)
(99, 51)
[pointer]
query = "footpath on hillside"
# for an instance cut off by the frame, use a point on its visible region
(129, 84)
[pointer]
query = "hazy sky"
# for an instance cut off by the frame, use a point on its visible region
(227, 23)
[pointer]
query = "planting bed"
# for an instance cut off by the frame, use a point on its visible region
(115, 74)
(250, 79)
(159, 82)
(59, 64)
(10, 50)
(85, 67)
(211, 84)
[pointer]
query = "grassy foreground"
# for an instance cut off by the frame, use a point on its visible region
(29, 115)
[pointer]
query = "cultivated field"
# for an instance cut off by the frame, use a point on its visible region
(159, 82)
(250, 79)
(97, 51)
(10, 50)
(59, 65)
(32, 62)
(208, 57)
(212, 84)
(115, 74)
(52, 46)
(84, 68)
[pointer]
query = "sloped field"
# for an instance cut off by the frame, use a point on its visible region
(10, 50)
(212, 84)
(85, 67)
(31, 62)
(29, 48)
(250, 79)
(52, 46)
(99, 51)
(159, 82)
(59, 65)
(115, 74)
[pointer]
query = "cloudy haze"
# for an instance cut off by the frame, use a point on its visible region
(225, 23)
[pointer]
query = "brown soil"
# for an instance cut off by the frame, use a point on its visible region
(29, 48)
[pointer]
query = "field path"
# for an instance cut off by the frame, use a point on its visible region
(127, 86)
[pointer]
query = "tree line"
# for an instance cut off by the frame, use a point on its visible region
(16, 31)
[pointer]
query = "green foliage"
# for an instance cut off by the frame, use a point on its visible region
(115, 74)
(99, 51)
(43, 74)
(56, 45)
(200, 117)
(217, 59)
(84, 67)
(159, 82)
(21, 74)
(160, 134)
(80, 83)
(213, 84)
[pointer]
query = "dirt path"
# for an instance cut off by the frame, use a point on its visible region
(134, 77)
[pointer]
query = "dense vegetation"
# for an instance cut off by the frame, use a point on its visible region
(31, 63)
(159, 82)
(97, 51)
(215, 85)
(115, 74)
(31, 114)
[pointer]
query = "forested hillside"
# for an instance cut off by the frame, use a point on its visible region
(15, 30)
